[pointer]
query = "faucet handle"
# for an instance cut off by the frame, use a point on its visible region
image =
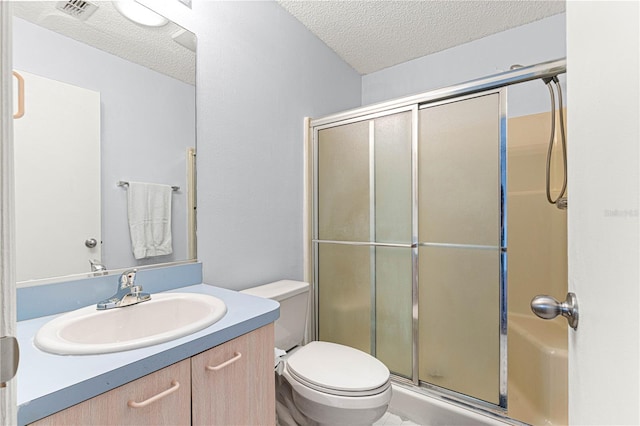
(128, 278)
(96, 266)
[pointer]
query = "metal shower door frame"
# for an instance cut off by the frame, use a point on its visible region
(501, 247)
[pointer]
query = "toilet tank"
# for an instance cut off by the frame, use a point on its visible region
(293, 297)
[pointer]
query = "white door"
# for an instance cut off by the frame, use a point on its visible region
(57, 178)
(603, 108)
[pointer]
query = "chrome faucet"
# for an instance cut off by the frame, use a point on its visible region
(97, 267)
(128, 293)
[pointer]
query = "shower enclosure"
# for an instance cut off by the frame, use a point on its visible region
(409, 235)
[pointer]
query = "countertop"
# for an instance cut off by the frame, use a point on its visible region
(48, 383)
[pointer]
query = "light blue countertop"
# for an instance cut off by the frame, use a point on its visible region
(48, 383)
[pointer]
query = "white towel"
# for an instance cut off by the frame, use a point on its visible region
(149, 207)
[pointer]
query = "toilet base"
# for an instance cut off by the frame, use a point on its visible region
(287, 414)
(337, 416)
(293, 409)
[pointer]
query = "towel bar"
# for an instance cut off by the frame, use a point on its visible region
(125, 183)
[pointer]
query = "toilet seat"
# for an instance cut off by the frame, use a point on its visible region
(338, 392)
(338, 370)
(318, 404)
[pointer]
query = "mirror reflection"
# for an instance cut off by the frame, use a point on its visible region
(106, 101)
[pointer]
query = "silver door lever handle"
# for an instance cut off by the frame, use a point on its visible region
(547, 307)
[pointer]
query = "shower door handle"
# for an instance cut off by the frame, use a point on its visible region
(547, 307)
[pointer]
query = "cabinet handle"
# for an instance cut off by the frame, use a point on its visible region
(236, 356)
(174, 387)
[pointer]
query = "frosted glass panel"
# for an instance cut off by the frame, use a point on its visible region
(344, 299)
(392, 136)
(365, 293)
(343, 183)
(460, 320)
(459, 174)
(394, 309)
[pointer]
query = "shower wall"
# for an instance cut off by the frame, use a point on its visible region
(537, 241)
(537, 236)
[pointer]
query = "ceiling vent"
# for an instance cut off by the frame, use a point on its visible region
(79, 9)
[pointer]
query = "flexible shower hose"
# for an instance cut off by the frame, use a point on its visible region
(563, 141)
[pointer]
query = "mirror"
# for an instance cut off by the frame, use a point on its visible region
(106, 100)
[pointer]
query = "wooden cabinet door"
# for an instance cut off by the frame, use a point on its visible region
(233, 384)
(160, 398)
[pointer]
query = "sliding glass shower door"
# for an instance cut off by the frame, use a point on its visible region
(460, 246)
(364, 225)
(409, 243)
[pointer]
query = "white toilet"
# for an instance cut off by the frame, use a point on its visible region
(321, 383)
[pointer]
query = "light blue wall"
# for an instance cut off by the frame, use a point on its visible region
(259, 73)
(540, 41)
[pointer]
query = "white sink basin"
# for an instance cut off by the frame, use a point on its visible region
(165, 317)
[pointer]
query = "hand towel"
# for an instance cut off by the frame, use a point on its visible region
(149, 211)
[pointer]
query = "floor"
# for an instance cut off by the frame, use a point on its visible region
(390, 419)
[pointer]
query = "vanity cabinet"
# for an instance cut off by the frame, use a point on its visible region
(159, 398)
(234, 383)
(230, 384)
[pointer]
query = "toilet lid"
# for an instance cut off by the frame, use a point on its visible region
(334, 367)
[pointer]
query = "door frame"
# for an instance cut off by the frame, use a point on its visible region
(8, 397)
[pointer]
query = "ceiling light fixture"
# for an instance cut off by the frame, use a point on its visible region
(139, 14)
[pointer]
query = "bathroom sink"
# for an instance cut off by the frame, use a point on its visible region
(165, 317)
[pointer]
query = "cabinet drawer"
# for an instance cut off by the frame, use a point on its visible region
(160, 398)
(233, 384)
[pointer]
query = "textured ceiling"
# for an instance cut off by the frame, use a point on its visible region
(373, 35)
(369, 35)
(106, 29)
